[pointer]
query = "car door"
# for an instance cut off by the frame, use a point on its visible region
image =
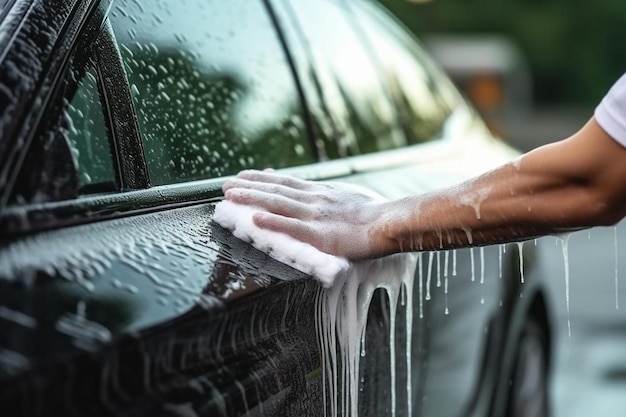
(119, 296)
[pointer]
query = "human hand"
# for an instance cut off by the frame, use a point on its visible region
(336, 218)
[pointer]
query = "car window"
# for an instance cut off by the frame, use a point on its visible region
(212, 88)
(88, 137)
(349, 81)
(424, 98)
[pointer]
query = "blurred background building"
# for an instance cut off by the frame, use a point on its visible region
(539, 67)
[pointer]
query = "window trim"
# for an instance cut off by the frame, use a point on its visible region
(19, 220)
(306, 113)
(119, 112)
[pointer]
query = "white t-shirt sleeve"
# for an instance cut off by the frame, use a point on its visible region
(611, 112)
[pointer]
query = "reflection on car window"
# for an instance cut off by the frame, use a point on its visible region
(211, 86)
(70, 153)
(348, 79)
(424, 98)
(88, 137)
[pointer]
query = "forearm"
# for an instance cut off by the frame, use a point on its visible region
(499, 207)
(565, 186)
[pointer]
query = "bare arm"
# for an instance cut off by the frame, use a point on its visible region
(575, 183)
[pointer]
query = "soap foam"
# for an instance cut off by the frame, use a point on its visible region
(342, 314)
(342, 304)
(237, 218)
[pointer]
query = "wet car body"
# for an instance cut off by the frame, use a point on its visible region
(119, 296)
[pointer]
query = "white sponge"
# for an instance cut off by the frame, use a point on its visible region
(306, 258)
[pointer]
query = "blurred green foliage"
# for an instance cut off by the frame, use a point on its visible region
(574, 47)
